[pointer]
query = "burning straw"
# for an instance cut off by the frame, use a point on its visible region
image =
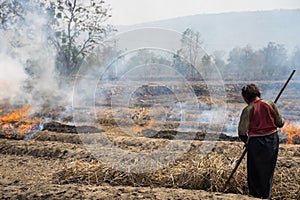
(17, 124)
(292, 132)
(190, 172)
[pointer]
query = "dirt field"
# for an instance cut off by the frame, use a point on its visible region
(27, 168)
(55, 163)
(28, 171)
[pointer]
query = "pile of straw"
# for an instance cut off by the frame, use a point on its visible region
(191, 172)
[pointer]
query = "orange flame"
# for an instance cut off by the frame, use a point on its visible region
(137, 129)
(16, 116)
(16, 124)
(291, 131)
(3, 84)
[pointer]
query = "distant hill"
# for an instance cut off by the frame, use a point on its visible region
(222, 32)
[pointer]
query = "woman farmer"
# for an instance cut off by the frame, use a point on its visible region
(258, 126)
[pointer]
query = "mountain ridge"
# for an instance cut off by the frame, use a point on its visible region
(224, 31)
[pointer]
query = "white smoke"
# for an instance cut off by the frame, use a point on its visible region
(12, 76)
(27, 62)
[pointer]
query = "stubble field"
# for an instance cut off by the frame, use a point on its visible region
(56, 162)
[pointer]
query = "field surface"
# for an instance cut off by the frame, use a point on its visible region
(58, 163)
(38, 169)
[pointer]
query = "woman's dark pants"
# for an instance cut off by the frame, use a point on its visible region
(261, 161)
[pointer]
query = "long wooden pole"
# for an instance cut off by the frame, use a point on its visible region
(283, 88)
(245, 150)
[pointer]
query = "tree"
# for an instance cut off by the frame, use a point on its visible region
(270, 61)
(191, 41)
(275, 60)
(10, 13)
(191, 51)
(79, 27)
(75, 27)
(245, 63)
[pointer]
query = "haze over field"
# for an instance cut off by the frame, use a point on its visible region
(225, 31)
(131, 12)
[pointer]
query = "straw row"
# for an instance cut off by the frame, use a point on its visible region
(191, 172)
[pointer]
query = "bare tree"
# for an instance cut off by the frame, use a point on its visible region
(191, 50)
(79, 27)
(75, 27)
(10, 12)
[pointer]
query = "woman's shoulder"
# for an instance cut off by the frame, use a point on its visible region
(248, 108)
(269, 102)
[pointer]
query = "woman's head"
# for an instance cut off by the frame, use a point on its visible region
(250, 92)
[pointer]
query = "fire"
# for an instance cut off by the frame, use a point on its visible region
(16, 116)
(16, 124)
(292, 131)
(3, 84)
(141, 120)
(137, 129)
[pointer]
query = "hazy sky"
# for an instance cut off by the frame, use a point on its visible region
(138, 11)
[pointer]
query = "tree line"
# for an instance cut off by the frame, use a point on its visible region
(76, 28)
(271, 61)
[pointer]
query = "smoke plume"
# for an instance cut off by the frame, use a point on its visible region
(27, 62)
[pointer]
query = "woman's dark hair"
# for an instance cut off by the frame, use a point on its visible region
(250, 92)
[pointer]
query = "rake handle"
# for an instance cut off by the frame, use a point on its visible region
(283, 88)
